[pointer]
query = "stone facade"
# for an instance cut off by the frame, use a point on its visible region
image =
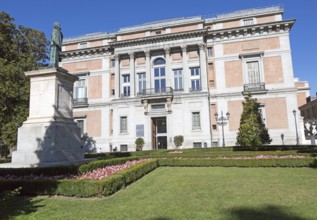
(169, 78)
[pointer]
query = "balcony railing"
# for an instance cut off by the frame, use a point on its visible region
(168, 91)
(80, 101)
(195, 89)
(254, 87)
(125, 95)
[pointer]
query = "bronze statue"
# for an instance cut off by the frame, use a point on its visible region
(56, 45)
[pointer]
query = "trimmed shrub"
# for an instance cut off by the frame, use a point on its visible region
(186, 162)
(139, 143)
(178, 140)
(47, 171)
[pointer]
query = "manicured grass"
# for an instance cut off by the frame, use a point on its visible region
(190, 193)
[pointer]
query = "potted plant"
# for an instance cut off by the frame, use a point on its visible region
(139, 143)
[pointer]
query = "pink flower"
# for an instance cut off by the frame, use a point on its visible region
(96, 174)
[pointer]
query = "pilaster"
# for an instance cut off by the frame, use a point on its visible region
(148, 68)
(117, 76)
(203, 67)
(169, 82)
(186, 74)
(132, 74)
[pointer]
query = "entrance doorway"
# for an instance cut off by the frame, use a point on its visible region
(159, 133)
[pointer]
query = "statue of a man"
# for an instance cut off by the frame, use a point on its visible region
(56, 45)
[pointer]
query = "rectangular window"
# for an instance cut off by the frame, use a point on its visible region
(141, 82)
(197, 145)
(195, 79)
(113, 63)
(253, 72)
(209, 51)
(80, 92)
(158, 106)
(195, 120)
(80, 124)
(123, 147)
(123, 124)
(159, 79)
(126, 91)
(125, 85)
(178, 80)
(126, 78)
(248, 21)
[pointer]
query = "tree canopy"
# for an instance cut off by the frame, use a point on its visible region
(21, 49)
(252, 131)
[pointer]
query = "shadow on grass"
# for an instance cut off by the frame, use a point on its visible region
(20, 205)
(268, 212)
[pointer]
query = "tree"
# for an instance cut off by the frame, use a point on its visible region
(178, 140)
(21, 49)
(139, 143)
(252, 132)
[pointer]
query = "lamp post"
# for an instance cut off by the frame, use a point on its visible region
(222, 121)
(297, 140)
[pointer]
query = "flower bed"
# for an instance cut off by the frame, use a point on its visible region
(81, 187)
(96, 174)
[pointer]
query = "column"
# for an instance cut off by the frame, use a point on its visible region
(117, 76)
(186, 74)
(132, 74)
(203, 67)
(168, 76)
(148, 68)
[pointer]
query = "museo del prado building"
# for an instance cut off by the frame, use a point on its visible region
(166, 78)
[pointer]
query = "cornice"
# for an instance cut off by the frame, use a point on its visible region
(272, 27)
(159, 38)
(86, 52)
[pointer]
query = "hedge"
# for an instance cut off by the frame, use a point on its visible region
(81, 188)
(103, 163)
(64, 170)
(38, 171)
(215, 152)
(281, 162)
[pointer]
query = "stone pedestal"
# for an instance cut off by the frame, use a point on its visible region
(50, 136)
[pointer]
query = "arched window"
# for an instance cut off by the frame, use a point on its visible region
(159, 75)
(159, 61)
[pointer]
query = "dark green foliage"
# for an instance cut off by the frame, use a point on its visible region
(64, 170)
(139, 143)
(301, 162)
(21, 49)
(178, 140)
(38, 171)
(252, 131)
(7, 197)
(81, 188)
(215, 152)
(103, 163)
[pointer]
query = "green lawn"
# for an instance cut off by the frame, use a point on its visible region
(190, 193)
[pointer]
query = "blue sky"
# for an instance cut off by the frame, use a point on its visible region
(78, 17)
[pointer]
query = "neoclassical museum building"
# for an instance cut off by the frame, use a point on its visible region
(166, 78)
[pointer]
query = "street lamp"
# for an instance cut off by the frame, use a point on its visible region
(222, 121)
(297, 140)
